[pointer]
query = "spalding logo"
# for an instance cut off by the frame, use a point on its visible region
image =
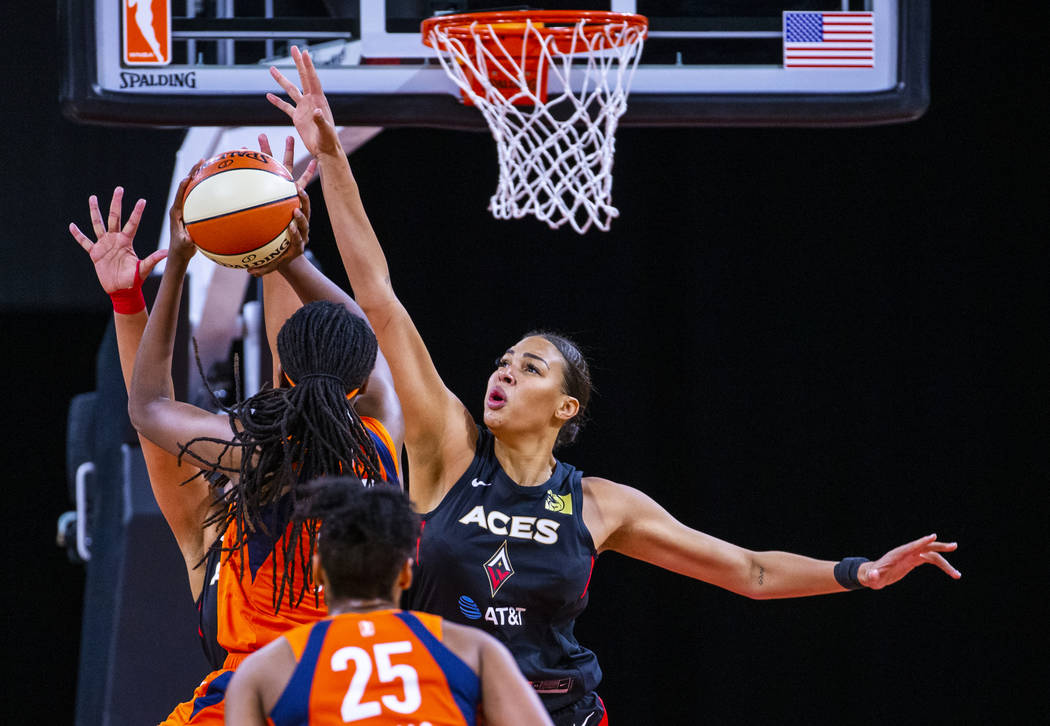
(250, 261)
(469, 608)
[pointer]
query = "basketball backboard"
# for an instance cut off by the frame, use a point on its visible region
(198, 62)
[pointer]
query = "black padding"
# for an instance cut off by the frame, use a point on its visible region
(140, 654)
(80, 430)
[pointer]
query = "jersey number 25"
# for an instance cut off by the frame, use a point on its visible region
(354, 709)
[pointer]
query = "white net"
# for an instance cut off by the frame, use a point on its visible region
(554, 127)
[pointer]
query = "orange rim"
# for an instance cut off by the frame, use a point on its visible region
(557, 23)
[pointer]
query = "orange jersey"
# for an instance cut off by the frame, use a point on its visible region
(245, 598)
(242, 602)
(381, 668)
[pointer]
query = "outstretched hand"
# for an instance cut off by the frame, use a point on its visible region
(113, 254)
(898, 562)
(310, 113)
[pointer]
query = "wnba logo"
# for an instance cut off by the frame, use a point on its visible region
(147, 32)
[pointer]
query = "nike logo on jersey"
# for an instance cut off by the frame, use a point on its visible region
(544, 531)
(479, 483)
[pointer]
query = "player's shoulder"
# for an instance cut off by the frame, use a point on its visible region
(610, 506)
(608, 492)
(468, 643)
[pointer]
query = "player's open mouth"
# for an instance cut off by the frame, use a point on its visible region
(496, 398)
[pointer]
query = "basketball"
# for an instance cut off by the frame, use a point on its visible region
(238, 207)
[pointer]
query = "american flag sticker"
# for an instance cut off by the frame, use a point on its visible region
(829, 40)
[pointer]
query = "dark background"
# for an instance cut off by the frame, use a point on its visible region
(809, 340)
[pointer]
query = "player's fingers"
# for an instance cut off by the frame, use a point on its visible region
(114, 209)
(288, 87)
(146, 266)
(935, 558)
(133, 219)
(300, 227)
(289, 152)
(304, 75)
(943, 546)
(311, 73)
(263, 270)
(297, 58)
(96, 217)
(176, 208)
(920, 544)
(281, 104)
(264, 145)
(80, 237)
(306, 177)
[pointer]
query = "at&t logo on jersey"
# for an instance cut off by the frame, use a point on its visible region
(496, 616)
(469, 608)
(505, 616)
(538, 529)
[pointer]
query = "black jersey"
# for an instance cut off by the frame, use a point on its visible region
(208, 609)
(515, 561)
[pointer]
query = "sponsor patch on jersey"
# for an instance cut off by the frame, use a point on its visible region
(505, 615)
(498, 568)
(469, 608)
(560, 503)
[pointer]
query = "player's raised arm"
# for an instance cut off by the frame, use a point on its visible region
(439, 432)
(625, 520)
(120, 273)
(279, 300)
(154, 413)
(299, 282)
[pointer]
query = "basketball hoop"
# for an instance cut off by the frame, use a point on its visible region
(552, 86)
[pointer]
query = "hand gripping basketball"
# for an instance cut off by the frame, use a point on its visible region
(238, 207)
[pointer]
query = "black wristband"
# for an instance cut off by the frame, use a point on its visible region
(846, 572)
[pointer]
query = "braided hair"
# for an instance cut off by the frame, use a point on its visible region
(288, 436)
(366, 534)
